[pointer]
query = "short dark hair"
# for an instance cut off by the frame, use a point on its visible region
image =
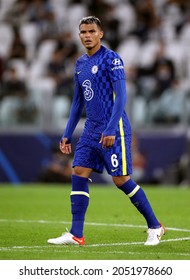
(91, 20)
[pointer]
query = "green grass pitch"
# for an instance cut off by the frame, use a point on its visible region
(114, 230)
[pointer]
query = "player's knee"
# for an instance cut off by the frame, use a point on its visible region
(120, 180)
(81, 171)
(78, 171)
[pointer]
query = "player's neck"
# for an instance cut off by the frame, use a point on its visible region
(93, 50)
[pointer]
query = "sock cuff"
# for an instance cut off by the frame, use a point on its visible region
(131, 184)
(130, 187)
(134, 191)
(80, 193)
(79, 184)
(76, 177)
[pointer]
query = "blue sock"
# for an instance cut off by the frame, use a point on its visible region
(79, 204)
(140, 201)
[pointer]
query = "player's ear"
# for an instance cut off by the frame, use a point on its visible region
(101, 34)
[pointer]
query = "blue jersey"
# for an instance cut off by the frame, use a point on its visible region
(100, 86)
(95, 77)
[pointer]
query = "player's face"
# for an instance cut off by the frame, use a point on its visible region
(90, 35)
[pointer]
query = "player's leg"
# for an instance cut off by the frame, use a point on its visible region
(119, 166)
(139, 199)
(85, 161)
(79, 199)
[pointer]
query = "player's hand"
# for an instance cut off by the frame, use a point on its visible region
(65, 147)
(107, 141)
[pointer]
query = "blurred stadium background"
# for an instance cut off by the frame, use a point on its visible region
(38, 48)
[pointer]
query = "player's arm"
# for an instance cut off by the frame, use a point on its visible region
(108, 136)
(74, 117)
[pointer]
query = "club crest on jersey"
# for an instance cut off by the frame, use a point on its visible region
(94, 69)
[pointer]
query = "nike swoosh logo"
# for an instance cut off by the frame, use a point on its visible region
(80, 241)
(113, 170)
(79, 72)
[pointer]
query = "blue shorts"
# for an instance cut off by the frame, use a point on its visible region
(117, 159)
